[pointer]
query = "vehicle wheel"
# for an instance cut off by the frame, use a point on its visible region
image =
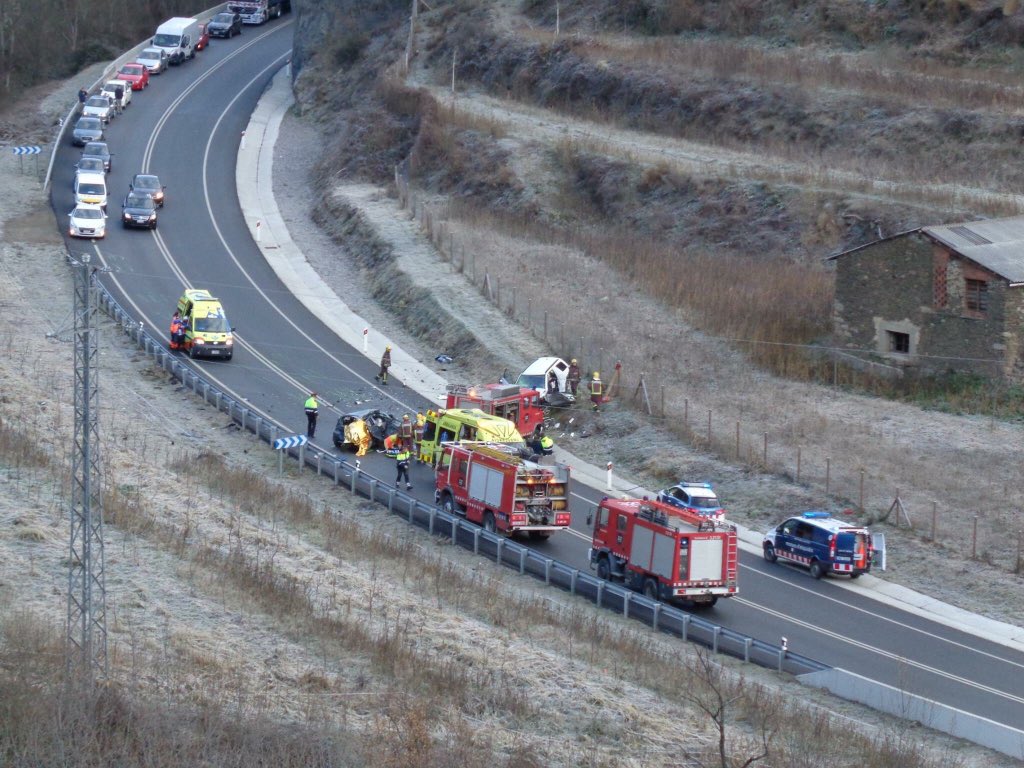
(229, 355)
(854, 575)
(769, 553)
(540, 535)
(448, 504)
(604, 570)
(192, 352)
(489, 524)
(650, 589)
(817, 570)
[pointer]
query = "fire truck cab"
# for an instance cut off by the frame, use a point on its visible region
(520, 405)
(493, 486)
(665, 552)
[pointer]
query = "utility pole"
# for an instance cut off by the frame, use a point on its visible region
(412, 32)
(86, 646)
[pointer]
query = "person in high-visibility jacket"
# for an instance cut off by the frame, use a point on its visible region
(177, 331)
(402, 463)
(417, 433)
(385, 363)
(405, 432)
(596, 390)
(392, 443)
(312, 411)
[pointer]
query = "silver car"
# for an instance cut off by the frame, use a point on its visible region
(87, 129)
(153, 59)
(99, 106)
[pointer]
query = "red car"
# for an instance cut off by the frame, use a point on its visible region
(204, 38)
(136, 74)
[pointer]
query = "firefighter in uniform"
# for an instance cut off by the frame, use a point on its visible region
(402, 463)
(573, 377)
(312, 411)
(406, 433)
(596, 389)
(417, 433)
(385, 363)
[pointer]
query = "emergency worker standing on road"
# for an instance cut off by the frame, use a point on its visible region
(177, 331)
(406, 433)
(596, 390)
(417, 433)
(385, 363)
(402, 462)
(312, 411)
(573, 377)
(82, 95)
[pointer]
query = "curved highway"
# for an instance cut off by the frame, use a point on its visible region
(186, 128)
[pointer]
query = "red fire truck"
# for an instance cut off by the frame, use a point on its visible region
(492, 485)
(665, 552)
(509, 401)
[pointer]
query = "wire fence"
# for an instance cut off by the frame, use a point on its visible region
(995, 535)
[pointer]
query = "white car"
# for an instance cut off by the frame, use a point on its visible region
(110, 89)
(100, 106)
(153, 59)
(87, 221)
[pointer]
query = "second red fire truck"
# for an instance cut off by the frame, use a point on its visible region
(509, 401)
(667, 553)
(492, 485)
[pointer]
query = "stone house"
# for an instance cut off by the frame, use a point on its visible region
(937, 298)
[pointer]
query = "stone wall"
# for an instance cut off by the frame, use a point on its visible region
(890, 301)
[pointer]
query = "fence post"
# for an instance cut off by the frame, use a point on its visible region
(828, 472)
(709, 427)
(798, 465)
(935, 515)
(862, 494)
(545, 325)
(686, 413)
(974, 539)
(764, 457)
(663, 401)
(737, 439)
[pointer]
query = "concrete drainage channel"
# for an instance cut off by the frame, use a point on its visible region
(436, 522)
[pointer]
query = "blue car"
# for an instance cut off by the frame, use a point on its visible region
(698, 498)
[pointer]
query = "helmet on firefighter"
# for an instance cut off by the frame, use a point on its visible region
(387, 347)
(405, 417)
(574, 361)
(597, 374)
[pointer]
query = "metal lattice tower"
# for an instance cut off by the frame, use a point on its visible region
(87, 592)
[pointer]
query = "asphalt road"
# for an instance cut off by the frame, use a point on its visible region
(186, 128)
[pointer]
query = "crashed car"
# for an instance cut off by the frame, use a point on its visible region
(698, 498)
(361, 431)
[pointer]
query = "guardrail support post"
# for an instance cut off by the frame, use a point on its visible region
(501, 548)
(714, 639)
(373, 490)
(455, 529)
(476, 541)
(273, 434)
(522, 560)
(245, 412)
(600, 594)
(391, 501)
(572, 582)
(352, 479)
(782, 658)
(747, 642)
(430, 526)
(258, 428)
(547, 572)
(217, 397)
(337, 466)
(319, 462)
(626, 597)
(656, 617)
(412, 507)
(302, 457)
(685, 631)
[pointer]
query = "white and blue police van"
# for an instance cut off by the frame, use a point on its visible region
(823, 545)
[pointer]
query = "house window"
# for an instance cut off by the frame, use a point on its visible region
(976, 295)
(899, 342)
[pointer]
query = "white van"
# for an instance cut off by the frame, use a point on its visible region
(110, 89)
(536, 376)
(178, 37)
(91, 189)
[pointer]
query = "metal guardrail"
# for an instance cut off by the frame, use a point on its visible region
(435, 521)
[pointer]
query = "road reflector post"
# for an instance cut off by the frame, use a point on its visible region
(522, 561)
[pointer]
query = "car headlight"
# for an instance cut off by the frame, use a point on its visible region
(198, 340)
(228, 342)
(127, 216)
